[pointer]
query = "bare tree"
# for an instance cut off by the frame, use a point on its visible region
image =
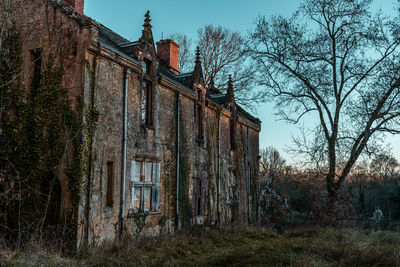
(337, 60)
(384, 166)
(223, 54)
(271, 160)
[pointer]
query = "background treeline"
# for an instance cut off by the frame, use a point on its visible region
(293, 196)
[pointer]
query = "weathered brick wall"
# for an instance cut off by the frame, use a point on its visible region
(61, 36)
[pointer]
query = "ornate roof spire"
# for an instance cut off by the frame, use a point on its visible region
(198, 71)
(146, 33)
(198, 60)
(147, 19)
(230, 94)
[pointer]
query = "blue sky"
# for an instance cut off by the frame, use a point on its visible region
(187, 16)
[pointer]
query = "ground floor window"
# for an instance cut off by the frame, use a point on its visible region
(200, 188)
(145, 189)
(231, 188)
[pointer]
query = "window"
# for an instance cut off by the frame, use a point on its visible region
(232, 133)
(36, 61)
(147, 67)
(199, 117)
(231, 192)
(146, 108)
(110, 184)
(199, 123)
(200, 188)
(145, 191)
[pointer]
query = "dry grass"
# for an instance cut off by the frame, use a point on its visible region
(233, 247)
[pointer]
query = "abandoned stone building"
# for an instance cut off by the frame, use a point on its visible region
(165, 150)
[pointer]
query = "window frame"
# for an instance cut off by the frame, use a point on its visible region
(139, 181)
(200, 193)
(231, 188)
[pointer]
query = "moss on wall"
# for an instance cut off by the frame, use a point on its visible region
(185, 207)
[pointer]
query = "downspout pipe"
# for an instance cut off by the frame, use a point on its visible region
(178, 141)
(124, 137)
(219, 170)
(92, 86)
(248, 178)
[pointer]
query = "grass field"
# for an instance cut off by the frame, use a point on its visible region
(232, 247)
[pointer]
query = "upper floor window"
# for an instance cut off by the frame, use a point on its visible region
(147, 66)
(147, 104)
(145, 190)
(232, 133)
(199, 122)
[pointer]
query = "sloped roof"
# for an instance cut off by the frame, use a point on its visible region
(123, 47)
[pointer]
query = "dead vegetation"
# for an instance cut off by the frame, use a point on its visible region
(233, 247)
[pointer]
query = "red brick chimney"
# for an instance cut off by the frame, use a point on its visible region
(168, 52)
(78, 5)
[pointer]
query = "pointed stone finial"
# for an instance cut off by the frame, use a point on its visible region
(230, 85)
(147, 19)
(198, 60)
(230, 94)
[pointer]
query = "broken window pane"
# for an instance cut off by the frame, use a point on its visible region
(155, 198)
(137, 196)
(156, 172)
(147, 198)
(148, 171)
(135, 172)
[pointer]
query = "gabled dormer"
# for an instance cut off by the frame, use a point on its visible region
(230, 104)
(145, 53)
(198, 86)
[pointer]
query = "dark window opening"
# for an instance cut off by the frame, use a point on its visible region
(147, 66)
(199, 123)
(36, 61)
(110, 184)
(232, 131)
(147, 103)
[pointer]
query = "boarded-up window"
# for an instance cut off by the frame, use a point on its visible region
(200, 189)
(231, 188)
(110, 184)
(145, 177)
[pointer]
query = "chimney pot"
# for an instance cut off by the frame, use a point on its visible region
(168, 52)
